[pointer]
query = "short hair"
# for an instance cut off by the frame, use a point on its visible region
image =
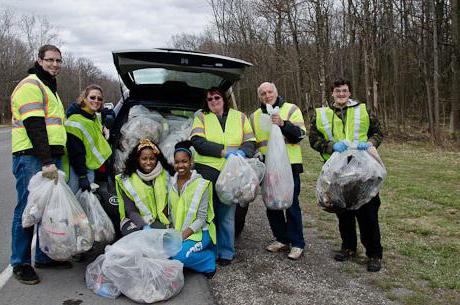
(47, 47)
(214, 90)
(266, 83)
(86, 91)
(341, 82)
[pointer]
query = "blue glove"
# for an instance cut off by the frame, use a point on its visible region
(238, 152)
(363, 146)
(147, 227)
(340, 146)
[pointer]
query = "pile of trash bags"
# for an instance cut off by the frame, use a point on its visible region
(350, 179)
(100, 222)
(143, 123)
(64, 229)
(238, 182)
(278, 184)
(138, 266)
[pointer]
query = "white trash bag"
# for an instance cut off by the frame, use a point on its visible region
(64, 230)
(98, 282)
(258, 167)
(278, 184)
(40, 189)
(350, 179)
(99, 220)
(237, 182)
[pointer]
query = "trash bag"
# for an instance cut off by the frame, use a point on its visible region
(98, 282)
(138, 265)
(64, 230)
(144, 279)
(120, 158)
(278, 184)
(237, 182)
(99, 220)
(349, 180)
(40, 189)
(179, 129)
(258, 167)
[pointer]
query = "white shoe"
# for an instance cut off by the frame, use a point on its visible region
(276, 246)
(295, 253)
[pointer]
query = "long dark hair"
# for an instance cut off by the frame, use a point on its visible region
(215, 90)
(132, 165)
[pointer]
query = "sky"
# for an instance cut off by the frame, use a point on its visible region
(94, 28)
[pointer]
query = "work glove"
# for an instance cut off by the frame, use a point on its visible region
(147, 227)
(238, 152)
(50, 171)
(363, 146)
(84, 184)
(340, 146)
(107, 117)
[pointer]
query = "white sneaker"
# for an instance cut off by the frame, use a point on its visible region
(276, 246)
(295, 253)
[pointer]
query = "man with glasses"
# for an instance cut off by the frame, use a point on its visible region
(332, 129)
(38, 141)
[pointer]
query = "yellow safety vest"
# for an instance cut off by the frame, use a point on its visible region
(97, 149)
(150, 201)
(332, 128)
(31, 98)
(184, 207)
(237, 131)
(288, 112)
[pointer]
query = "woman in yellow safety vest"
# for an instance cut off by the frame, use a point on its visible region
(142, 189)
(87, 148)
(217, 133)
(191, 213)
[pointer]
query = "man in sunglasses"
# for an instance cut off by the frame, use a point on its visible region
(332, 129)
(38, 141)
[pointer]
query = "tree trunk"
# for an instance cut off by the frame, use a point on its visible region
(455, 94)
(435, 72)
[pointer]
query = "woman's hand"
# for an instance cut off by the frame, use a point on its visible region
(186, 233)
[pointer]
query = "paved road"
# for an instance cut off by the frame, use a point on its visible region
(66, 287)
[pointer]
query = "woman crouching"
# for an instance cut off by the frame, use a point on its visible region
(191, 213)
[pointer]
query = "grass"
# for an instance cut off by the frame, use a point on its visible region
(419, 221)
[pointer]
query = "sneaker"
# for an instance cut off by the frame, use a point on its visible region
(374, 264)
(54, 265)
(345, 255)
(276, 246)
(295, 253)
(25, 274)
(224, 262)
(209, 275)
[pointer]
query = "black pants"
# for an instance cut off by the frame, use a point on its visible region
(368, 221)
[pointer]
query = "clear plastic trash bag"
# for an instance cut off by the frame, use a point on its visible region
(120, 158)
(278, 184)
(258, 167)
(40, 189)
(99, 220)
(237, 182)
(64, 230)
(180, 129)
(349, 180)
(98, 282)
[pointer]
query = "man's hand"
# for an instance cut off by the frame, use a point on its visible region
(186, 233)
(50, 171)
(276, 119)
(340, 146)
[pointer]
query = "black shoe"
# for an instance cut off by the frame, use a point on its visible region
(374, 264)
(344, 255)
(54, 265)
(224, 262)
(209, 275)
(25, 274)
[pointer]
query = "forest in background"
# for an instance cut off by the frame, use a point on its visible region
(402, 56)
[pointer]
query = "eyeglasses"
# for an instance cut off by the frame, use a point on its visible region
(51, 60)
(341, 91)
(215, 97)
(93, 98)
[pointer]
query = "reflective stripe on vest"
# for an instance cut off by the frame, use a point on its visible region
(327, 126)
(139, 203)
(88, 137)
(194, 205)
(357, 122)
(48, 121)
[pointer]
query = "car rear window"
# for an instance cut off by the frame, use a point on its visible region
(158, 76)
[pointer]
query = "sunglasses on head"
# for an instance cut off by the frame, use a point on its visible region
(93, 98)
(215, 97)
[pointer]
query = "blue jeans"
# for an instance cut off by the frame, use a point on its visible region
(24, 167)
(225, 227)
(288, 228)
(73, 179)
(198, 256)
